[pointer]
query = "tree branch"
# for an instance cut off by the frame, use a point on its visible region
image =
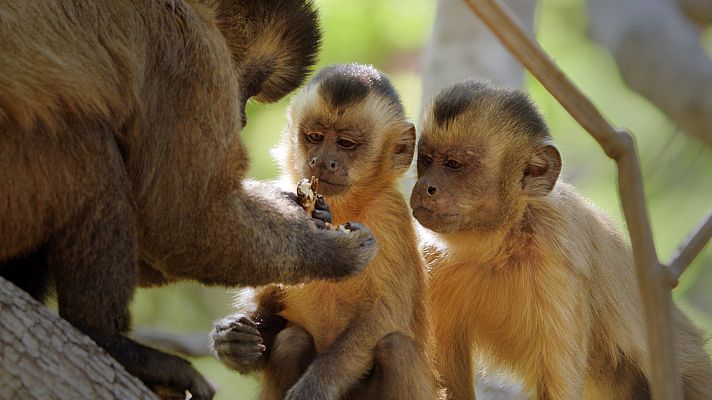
(699, 11)
(659, 56)
(42, 356)
(691, 247)
(653, 279)
(458, 42)
(192, 344)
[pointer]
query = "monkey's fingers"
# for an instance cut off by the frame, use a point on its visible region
(321, 204)
(319, 223)
(350, 250)
(322, 215)
(247, 321)
(238, 350)
(249, 336)
(291, 196)
(234, 321)
(356, 227)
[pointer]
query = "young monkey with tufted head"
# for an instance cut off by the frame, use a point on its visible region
(527, 274)
(368, 336)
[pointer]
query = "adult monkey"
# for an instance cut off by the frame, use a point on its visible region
(119, 142)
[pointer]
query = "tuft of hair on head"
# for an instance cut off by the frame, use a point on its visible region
(274, 43)
(481, 98)
(342, 85)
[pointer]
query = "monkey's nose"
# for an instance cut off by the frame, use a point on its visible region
(333, 165)
(312, 162)
(432, 190)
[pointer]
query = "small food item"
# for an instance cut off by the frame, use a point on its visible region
(306, 193)
(306, 197)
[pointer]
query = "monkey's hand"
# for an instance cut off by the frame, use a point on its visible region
(353, 246)
(236, 341)
(322, 214)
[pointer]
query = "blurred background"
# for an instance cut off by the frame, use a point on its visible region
(392, 36)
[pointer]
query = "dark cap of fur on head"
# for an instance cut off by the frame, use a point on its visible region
(275, 43)
(342, 85)
(473, 93)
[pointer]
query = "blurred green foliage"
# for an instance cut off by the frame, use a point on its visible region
(390, 35)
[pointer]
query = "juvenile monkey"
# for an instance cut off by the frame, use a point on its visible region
(526, 273)
(369, 336)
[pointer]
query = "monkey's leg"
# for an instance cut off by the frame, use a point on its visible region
(344, 363)
(400, 371)
(291, 355)
(456, 367)
(29, 273)
(93, 260)
(562, 367)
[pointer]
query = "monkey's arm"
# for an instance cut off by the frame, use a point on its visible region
(339, 366)
(253, 235)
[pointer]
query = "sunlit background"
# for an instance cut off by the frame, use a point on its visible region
(390, 34)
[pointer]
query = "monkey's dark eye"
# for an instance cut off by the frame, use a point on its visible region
(315, 137)
(346, 144)
(426, 160)
(453, 164)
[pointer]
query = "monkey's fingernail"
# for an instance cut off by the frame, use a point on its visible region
(261, 347)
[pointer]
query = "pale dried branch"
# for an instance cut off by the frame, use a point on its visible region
(42, 356)
(691, 247)
(700, 11)
(192, 344)
(461, 46)
(659, 56)
(619, 145)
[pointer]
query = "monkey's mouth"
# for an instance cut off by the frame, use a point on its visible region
(433, 213)
(331, 188)
(437, 221)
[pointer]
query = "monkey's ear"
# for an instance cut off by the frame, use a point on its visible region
(405, 148)
(542, 170)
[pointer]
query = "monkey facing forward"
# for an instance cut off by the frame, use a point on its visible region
(526, 273)
(121, 162)
(368, 336)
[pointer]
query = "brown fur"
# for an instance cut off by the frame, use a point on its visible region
(368, 336)
(119, 144)
(534, 280)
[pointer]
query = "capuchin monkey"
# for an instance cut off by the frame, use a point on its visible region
(367, 337)
(121, 162)
(527, 274)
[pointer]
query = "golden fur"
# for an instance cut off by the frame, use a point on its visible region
(352, 321)
(548, 290)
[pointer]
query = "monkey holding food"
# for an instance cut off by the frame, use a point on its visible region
(525, 272)
(368, 336)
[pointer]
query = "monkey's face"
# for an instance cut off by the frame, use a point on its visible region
(334, 154)
(456, 189)
(347, 128)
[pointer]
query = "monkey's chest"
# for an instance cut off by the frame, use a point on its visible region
(324, 309)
